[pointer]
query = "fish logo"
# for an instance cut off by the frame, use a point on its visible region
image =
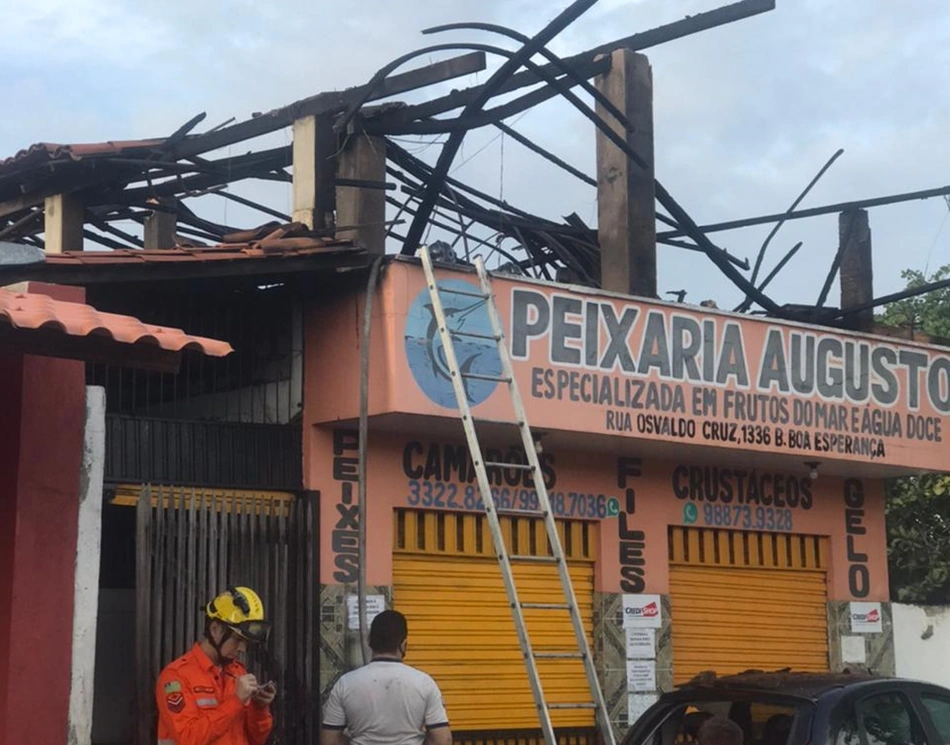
(426, 354)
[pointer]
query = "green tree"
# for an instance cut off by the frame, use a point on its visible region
(918, 539)
(918, 507)
(928, 313)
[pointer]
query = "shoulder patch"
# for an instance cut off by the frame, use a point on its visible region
(175, 702)
(172, 686)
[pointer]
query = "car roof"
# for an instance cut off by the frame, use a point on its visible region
(780, 682)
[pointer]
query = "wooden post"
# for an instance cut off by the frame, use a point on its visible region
(64, 216)
(361, 211)
(160, 227)
(857, 276)
(626, 212)
(314, 152)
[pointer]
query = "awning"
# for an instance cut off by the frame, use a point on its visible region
(37, 324)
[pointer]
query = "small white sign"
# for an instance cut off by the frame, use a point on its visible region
(866, 618)
(637, 704)
(854, 650)
(641, 676)
(641, 643)
(641, 611)
(375, 604)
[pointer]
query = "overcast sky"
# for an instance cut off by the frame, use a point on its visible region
(745, 114)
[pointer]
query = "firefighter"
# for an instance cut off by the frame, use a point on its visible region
(207, 695)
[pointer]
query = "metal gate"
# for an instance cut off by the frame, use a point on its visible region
(191, 544)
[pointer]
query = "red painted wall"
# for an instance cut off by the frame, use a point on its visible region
(11, 370)
(40, 459)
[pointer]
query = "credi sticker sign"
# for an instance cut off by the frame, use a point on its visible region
(654, 371)
(642, 611)
(866, 618)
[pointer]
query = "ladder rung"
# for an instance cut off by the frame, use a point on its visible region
(534, 559)
(475, 335)
(477, 420)
(512, 466)
(480, 376)
(464, 293)
(526, 513)
(572, 706)
(559, 655)
(547, 606)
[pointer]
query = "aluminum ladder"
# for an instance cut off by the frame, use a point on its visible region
(506, 560)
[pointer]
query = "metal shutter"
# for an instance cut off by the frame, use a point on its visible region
(460, 626)
(747, 600)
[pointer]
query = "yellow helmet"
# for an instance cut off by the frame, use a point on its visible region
(241, 609)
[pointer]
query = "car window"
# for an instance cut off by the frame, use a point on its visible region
(939, 710)
(848, 732)
(762, 723)
(889, 720)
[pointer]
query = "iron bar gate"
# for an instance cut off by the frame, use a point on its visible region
(192, 543)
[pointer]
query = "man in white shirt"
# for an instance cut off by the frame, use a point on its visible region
(386, 702)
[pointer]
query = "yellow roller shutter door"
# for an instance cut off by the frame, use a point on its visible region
(747, 601)
(461, 632)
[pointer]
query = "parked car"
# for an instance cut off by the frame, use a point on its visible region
(785, 708)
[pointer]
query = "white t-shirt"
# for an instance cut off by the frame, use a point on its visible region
(385, 702)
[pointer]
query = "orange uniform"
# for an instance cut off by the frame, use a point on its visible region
(198, 705)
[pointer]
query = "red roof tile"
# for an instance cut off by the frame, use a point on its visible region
(269, 249)
(34, 311)
(47, 151)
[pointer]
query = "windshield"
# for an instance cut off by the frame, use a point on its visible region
(762, 722)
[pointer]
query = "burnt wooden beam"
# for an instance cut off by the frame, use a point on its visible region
(815, 211)
(331, 102)
(626, 195)
(637, 42)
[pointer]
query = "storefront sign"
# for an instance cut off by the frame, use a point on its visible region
(741, 499)
(643, 611)
(442, 476)
(859, 578)
(606, 365)
(656, 371)
(866, 618)
(345, 536)
(632, 544)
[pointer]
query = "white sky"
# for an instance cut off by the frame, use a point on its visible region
(745, 114)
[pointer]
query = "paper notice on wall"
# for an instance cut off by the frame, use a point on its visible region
(641, 643)
(641, 611)
(641, 676)
(854, 650)
(866, 618)
(637, 704)
(375, 604)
